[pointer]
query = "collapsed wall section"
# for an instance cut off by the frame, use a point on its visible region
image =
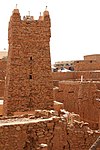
(55, 133)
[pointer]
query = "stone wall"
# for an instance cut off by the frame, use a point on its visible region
(2, 88)
(86, 65)
(80, 97)
(53, 133)
(92, 57)
(76, 75)
(28, 81)
(88, 93)
(3, 64)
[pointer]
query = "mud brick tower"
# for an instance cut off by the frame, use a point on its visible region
(28, 80)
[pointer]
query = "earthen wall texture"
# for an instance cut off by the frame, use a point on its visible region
(55, 133)
(3, 64)
(28, 80)
(2, 88)
(80, 98)
(88, 94)
(92, 57)
(76, 75)
(86, 65)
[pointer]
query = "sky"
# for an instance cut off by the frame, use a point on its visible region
(75, 25)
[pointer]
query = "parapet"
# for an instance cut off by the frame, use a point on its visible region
(92, 57)
(31, 18)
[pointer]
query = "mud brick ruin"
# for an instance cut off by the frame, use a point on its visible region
(46, 110)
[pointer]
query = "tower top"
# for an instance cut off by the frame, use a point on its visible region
(16, 10)
(46, 13)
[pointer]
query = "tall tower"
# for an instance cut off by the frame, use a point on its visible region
(28, 81)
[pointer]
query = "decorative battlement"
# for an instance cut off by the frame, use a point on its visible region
(29, 17)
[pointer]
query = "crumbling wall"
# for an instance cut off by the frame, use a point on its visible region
(54, 133)
(28, 83)
(80, 98)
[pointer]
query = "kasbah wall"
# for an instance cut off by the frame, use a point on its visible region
(63, 125)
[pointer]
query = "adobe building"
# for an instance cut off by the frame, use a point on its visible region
(90, 63)
(79, 90)
(28, 79)
(31, 120)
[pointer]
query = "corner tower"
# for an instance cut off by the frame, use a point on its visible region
(28, 81)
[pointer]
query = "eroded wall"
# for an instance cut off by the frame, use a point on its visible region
(80, 98)
(29, 133)
(28, 80)
(86, 65)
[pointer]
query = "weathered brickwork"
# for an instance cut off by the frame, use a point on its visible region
(2, 87)
(3, 64)
(86, 65)
(52, 132)
(28, 80)
(92, 57)
(80, 98)
(76, 75)
(37, 123)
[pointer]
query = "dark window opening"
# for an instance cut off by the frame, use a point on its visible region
(91, 61)
(30, 76)
(30, 58)
(71, 92)
(77, 61)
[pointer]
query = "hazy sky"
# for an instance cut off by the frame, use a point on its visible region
(75, 25)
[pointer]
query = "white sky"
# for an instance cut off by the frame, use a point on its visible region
(75, 25)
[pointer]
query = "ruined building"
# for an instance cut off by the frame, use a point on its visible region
(39, 107)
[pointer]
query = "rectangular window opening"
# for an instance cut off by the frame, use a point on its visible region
(30, 76)
(30, 58)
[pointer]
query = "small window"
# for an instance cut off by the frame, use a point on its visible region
(71, 92)
(30, 58)
(77, 61)
(90, 61)
(30, 76)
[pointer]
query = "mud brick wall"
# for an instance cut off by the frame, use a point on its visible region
(69, 95)
(92, 57)
(3, 64)
(1, 109)
(2, 87)
(87, 75)
(80, 98)
(87, 100)
(56, 133)
(86, 65)
(76, 75)
(62, 75)
(29, 82)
